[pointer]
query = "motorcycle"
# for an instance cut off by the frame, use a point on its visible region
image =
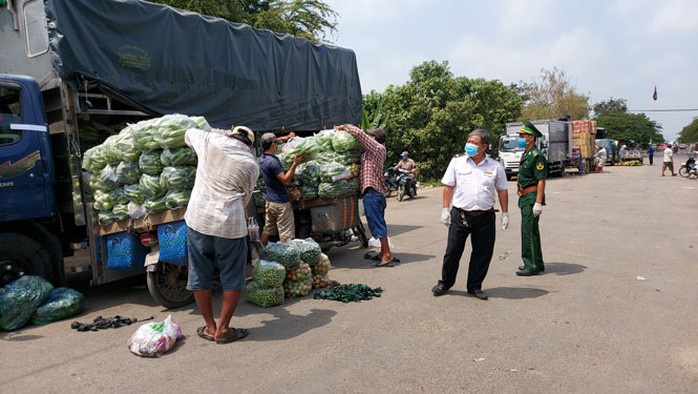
(406, 185)
(390, 179)
(688, 169)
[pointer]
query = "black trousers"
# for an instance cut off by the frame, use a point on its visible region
(482, 229)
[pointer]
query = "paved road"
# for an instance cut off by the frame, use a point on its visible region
(591, 324)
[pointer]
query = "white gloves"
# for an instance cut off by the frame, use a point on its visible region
(505, 220)
(537, 209)
(446, 217)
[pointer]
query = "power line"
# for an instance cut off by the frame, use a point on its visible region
(665, 110)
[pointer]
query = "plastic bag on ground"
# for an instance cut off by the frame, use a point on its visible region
(154, 339)
(19, 300)
(62, 303)
(376, 243)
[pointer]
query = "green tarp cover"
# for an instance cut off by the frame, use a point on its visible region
(168, 60)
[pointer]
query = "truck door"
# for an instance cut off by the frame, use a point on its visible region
(26, 169)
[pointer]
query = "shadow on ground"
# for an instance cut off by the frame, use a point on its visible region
(510, 293)
(563, 268)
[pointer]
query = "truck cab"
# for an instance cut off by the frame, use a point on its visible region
(510, 154)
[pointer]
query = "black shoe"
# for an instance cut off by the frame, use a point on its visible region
(479, 294)
(521, 268)
(440, 289)
(525, 272)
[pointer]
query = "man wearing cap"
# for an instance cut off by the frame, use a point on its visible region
(410, 166)
(226, 174)
(533, 169)
(471, 182)
(279, 211)
(373, 187)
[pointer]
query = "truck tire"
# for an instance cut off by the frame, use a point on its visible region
(22, 254)
(168, 286)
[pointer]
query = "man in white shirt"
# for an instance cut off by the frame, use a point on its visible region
(600, 158)
(226, 174)
(470, 183)
(668, 161)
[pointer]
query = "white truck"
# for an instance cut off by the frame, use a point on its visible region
(555, 145)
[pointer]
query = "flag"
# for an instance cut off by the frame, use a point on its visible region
(654, 95)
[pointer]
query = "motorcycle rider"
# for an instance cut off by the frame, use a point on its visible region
(409, 165)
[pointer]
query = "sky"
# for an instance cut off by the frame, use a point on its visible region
(617, 49)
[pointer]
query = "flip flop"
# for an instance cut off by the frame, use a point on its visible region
(372, 256)
(238, 333)
(392, 263)
(201, 331)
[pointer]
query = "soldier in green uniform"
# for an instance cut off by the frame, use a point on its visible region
(533, 169)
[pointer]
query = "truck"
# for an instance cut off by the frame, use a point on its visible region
(610, 145)
(73, 73)
(555, 145)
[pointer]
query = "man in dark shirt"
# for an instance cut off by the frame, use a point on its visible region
(279, 211)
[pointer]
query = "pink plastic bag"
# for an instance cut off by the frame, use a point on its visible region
(154, 339)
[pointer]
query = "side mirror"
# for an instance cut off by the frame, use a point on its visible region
(544, 144)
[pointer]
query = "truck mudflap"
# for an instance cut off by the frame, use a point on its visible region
(151, 260)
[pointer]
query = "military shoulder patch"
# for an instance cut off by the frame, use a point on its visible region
(540, 166)
(534, 153)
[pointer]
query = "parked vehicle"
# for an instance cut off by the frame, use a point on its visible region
(689, 169)
(74, 94)
(555, 145)
(406, 185)
(390, 179)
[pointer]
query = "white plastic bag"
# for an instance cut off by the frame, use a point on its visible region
(154, 339)
(376, 243)
(253, 229)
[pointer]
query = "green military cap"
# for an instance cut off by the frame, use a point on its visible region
(529, 128)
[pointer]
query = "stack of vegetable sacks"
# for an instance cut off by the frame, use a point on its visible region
(146, 168)
(297, 256)
(266, 288)
(331, 169)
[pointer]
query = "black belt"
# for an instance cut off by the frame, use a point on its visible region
(475, 213)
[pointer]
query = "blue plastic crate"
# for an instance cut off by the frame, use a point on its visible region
(125, 251)
(172, 238)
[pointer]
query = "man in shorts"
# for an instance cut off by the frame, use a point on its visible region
(216, 227)
(668, 160)
(279, 211)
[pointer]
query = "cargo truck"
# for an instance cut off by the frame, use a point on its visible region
(555, 145)
(75, 72)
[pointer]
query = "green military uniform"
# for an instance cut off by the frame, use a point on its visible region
(532, 168)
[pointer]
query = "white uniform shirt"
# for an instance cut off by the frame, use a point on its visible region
(474, 185)
(225, 177)
(668, 154)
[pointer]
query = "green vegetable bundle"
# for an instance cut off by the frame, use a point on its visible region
(308, 173)
(302, 146)
(264, 296)
(178, 157)
(118, 196)
(20, 298)
(333, 172)
(310, 250)
(348, 157)
(128, 172)
(151, 187)
(309, 192)
(120, 212)
(109, 177)
(175, 199)
(102, 201)
(269, 274)
(155, 205)
(143, 136)
(343, 141)
(94, 159)
(60, 304)
(327, 156)
(350, 292)
(324, 140)
(128, 151)
(134, 193)
(111, 150)
(149, 162)
(284, 254)
(335, 189)
(106, 217)
(178, 178)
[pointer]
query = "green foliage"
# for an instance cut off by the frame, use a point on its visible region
(689, 133)
(432, 114)
(310, 19)
(626, 127)
(552, 97)
(610, 106)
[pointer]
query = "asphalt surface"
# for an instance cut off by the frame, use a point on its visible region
(615, 312)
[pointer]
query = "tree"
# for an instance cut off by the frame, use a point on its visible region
(610, 106)
(311, 19)
(432, 114)
(553, 97)
(626, 127)
(689, 133)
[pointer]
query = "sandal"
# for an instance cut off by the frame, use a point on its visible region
(201, 332)
(392, 263)
(238, 333)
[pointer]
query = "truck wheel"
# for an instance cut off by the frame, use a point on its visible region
(22, 254)
(168, 286)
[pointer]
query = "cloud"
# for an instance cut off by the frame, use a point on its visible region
(517, 17)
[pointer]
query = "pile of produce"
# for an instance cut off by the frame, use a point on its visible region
(286, 254)
(146, 168)
(331, 167)
(310, 251)
(298, 282)
(350, 292)
(631, 163)
(321, 278)
(266, 288)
